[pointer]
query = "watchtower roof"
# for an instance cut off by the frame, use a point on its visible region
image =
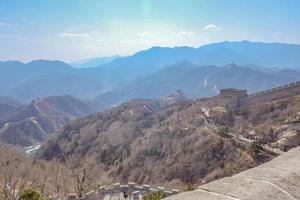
(232, 90)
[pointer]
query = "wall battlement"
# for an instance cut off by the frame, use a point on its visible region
(117, 192)
(284, 87)
(275, 93)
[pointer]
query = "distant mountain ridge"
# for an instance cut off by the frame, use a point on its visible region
(198, 81)
(93, 62)
(270, 55)
(47, 78)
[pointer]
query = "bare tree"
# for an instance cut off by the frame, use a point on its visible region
(14, 176)
(59, 178)
(83, 172)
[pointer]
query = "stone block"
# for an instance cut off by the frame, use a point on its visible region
(146, 187)
(124, 188)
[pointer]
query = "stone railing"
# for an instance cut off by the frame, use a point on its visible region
(129, 191)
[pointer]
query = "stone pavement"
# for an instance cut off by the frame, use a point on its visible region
(278, 179)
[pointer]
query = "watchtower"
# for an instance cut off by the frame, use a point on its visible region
(231, 96)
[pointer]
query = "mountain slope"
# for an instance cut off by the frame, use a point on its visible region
(187, 142)
(171, 145)
(8, 105)
(32, 123)
(57, 84)
(13, 73)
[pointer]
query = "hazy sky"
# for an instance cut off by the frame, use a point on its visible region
(74, 29)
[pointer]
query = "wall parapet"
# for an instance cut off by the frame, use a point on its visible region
(291, 85)
(129, 191)
(273, 94)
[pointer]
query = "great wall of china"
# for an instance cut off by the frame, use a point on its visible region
(129, 191)
(278, 179)
(237, 97)
(278, 92)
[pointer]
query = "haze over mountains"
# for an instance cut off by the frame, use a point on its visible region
(155, 72)
(93, 62)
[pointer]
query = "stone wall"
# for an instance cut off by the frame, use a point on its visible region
(278, 179)
(275, 93)
(256, 98)
(117, 191)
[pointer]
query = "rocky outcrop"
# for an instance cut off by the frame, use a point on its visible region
(278, 179)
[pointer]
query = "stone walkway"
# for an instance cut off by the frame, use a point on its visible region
(278, 179)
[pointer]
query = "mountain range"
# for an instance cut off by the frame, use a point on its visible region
(198, 81)
(149, 73)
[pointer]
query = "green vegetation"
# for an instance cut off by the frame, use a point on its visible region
(155, 196)
(30, 194)
(189, 187)
(255, 147)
